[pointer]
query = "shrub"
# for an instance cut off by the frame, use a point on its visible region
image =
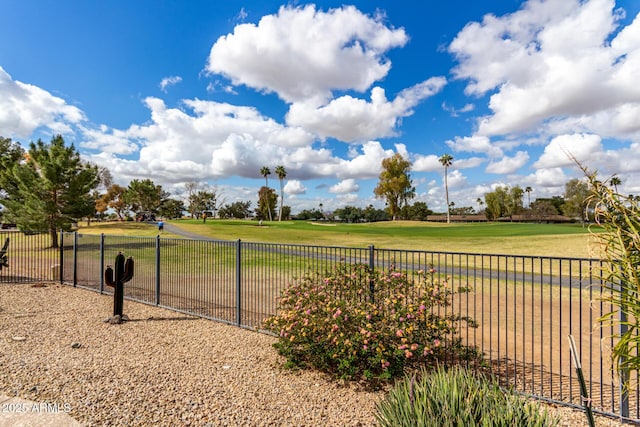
(619, 216)
(331, 322)
(456, 398)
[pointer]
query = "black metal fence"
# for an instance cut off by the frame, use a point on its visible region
(525, 306)
(30, 257)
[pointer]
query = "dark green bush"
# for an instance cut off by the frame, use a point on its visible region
(457, 397)
(329, 322)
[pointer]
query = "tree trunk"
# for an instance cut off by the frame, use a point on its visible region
(54, 237)
(446, 190)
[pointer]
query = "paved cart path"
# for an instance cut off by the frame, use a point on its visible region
(180, 232)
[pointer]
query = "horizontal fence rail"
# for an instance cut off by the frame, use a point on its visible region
(525, 306)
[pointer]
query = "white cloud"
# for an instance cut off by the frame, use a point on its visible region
(210, 140)
(345, 186)
(348, 199)
(475, 144)
(562, 149)
(550, 177)
(25, 108)
(429, 163)
(350, 119)
(294, 187)
(178, 146)
(365, 165)
(507, 164)
(456, 179)
(563, 60)
(169, 81)
(112, 141)
(469, 162)
(456, 112)
(302, 53)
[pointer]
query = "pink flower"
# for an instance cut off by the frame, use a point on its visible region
(436, 343)
(414, 347)
(364, 347)
(408, 354)
(399, 333)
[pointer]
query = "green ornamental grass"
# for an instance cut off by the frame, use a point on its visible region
(457, 398)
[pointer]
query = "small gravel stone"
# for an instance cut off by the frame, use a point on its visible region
(160, 369)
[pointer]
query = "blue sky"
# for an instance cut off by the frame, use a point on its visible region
(211, 91)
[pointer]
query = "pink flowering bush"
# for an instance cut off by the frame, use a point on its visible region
(331, 322)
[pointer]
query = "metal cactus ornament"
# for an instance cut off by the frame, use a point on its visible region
(116, 278)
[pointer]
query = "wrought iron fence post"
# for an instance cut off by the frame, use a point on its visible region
(61, 258)
(101, 262)
(75, 259)
(158, 269)
(624, 373)
(371, 266)
(239, 282)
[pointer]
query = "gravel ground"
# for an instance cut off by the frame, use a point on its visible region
(164, 368)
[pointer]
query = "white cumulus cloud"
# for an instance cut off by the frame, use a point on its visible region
(507, 165)
(558, 63)
(294, 187)
(302, 53)
(351, 119)
(475, 144)
(25, 108)
(562, 150)
(345, 186)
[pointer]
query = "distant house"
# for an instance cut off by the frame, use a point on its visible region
(549, 219)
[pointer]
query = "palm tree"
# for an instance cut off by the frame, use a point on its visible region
(282, 174)
(446, 160)
(615, 181)
(528, 190)
(480, 203)
(265, 171)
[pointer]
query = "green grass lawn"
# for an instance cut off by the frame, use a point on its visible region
(563, 240)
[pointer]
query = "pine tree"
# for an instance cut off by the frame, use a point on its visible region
(52, 188)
